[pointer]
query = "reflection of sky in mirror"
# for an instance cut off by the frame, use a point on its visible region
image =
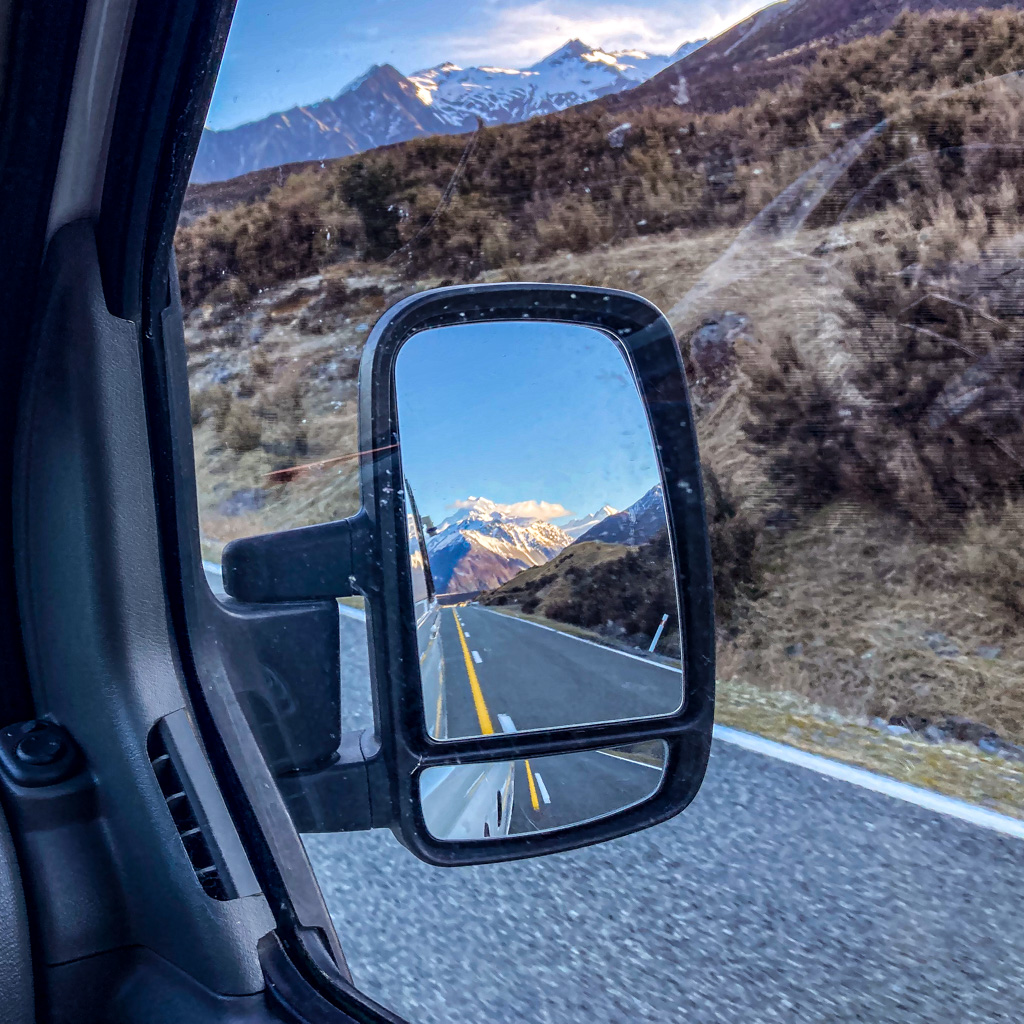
(521, 412)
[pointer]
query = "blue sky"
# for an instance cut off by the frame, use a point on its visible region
(282, 54)
(521, 412)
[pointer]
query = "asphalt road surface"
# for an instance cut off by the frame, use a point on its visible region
(780, 895)
(541, 678)
(502, 672)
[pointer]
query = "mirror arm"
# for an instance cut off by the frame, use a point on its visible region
(311, 563)
(349, 795)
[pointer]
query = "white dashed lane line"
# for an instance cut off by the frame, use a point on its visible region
(544, 795)
(477, 658)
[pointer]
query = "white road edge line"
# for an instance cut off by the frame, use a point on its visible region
(924, 798)
(632, 760)
(600, 647)
(544, 795)
(476, 657)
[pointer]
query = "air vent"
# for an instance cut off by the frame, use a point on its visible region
(185, 820)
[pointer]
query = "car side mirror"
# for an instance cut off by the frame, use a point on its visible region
(533, 553)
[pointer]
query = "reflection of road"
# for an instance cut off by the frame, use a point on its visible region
(542, 678)
(570, 788)
(501, 672)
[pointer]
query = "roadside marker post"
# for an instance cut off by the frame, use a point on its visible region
(657, 634)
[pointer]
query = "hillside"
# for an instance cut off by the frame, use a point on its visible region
(842, 261)
(568, 182)
(772, 47)
(535, 589)
(612, 589)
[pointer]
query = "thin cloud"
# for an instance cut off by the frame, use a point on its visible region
(545, 510)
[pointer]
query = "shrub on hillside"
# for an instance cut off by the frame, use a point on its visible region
(733, 535)
(242, 430)
(214, 401)
(922, 411)
(629, 594)
(370, 189)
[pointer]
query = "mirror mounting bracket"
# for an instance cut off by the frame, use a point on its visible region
(349, 795)
(320, 562)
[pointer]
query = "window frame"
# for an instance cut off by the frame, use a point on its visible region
(170, 68)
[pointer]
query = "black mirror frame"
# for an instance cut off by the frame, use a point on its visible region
(646, 339)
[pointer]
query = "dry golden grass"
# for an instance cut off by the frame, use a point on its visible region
(546, 586)
(955, 769)
(861, 614)
(662, 268)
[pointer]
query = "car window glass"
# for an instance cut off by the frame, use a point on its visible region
(827, 200)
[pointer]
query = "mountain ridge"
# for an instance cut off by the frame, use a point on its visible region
(575, 528)
(640, 522)
(382, 107)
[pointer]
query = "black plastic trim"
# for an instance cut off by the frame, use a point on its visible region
(320, 562)
(168, 78)
(647, 340)
(294, 1001)
(42, 51)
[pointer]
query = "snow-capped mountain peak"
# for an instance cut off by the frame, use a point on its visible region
(642, 521)
(572, 50)
(370, 72)
(483, 545)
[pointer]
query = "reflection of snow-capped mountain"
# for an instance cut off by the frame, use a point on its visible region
(577, 527)
(644, 519)
(384, 106)
(481, 546)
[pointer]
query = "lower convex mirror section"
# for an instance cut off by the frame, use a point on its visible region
(498, 799)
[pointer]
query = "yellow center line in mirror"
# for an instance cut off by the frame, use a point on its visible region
(532, 785)
(482, 714)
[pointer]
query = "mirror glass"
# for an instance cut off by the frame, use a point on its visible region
(541, 565)
(510, 798)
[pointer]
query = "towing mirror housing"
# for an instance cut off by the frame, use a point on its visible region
(541, 682)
